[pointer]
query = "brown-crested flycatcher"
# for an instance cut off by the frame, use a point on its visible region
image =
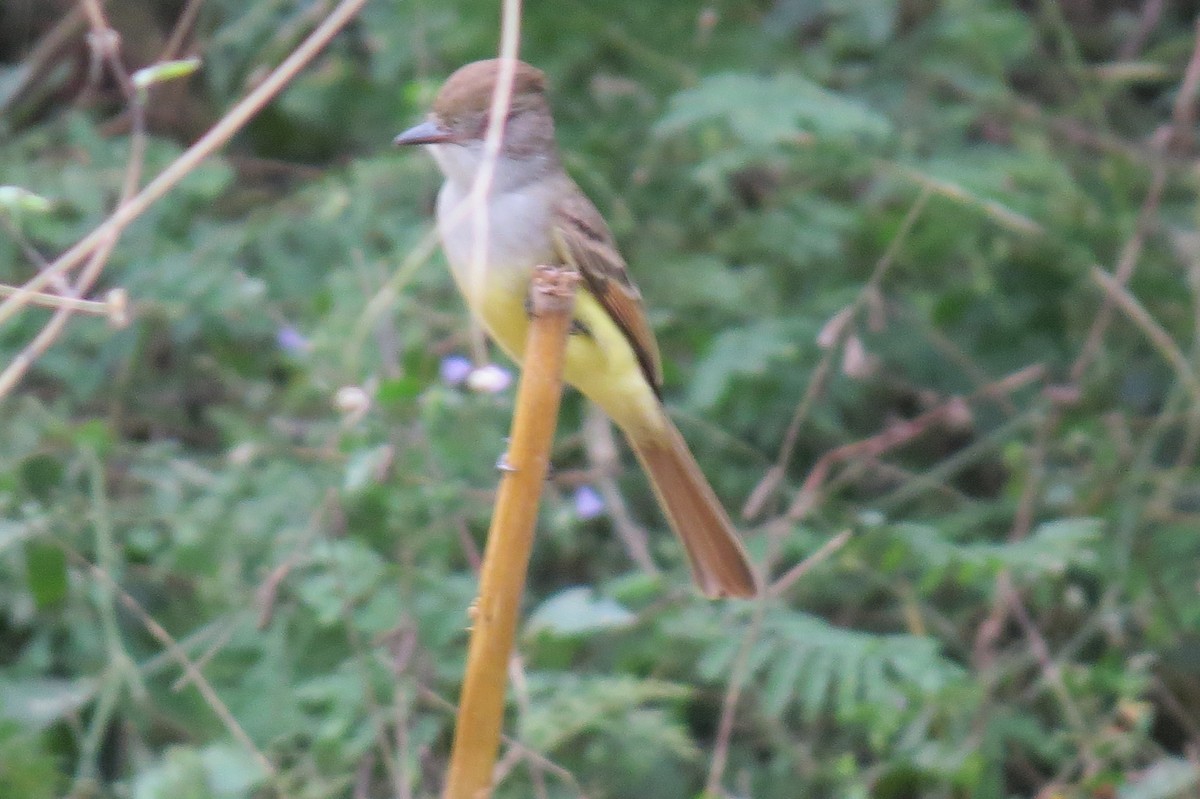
(536, 215)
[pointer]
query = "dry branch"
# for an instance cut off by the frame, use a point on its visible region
(510, 538)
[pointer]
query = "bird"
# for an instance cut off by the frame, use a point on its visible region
(538, 216)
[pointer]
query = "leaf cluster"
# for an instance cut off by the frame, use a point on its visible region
(237, 537)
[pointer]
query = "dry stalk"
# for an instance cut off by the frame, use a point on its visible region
(510, 538)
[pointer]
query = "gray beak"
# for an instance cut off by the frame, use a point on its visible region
(428, 132)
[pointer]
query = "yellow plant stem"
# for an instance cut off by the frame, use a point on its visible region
(510, 539)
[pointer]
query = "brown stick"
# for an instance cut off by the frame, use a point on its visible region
(510, 539)
(899, 433)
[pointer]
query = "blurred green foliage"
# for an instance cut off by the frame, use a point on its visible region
(267, 478)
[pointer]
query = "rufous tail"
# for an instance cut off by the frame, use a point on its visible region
(719, 563)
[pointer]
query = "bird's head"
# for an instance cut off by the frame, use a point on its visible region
(457, 125)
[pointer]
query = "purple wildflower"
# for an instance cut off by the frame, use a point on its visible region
(454, 369)
(588, 503)
(292, 341)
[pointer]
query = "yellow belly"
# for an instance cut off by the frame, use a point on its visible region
(600, 363)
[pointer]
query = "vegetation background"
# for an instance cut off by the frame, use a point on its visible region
(926, 274)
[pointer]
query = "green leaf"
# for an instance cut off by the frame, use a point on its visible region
(739, 351)
(1049, 550)
(765, 111)
(164, 71)
(398, 391)
(36, 703)
(802, 660)
(46, 571)
(348, 572)
(578, 611)
(94, 434)
(41, 474)
(217, 771)
(15, 199)
(29, 766)
(364, 467)
(568, 705)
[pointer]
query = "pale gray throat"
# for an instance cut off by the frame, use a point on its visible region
(461, 163)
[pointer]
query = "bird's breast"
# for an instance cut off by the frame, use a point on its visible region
(494, 279)
(515, 230)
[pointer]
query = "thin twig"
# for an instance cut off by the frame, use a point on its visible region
(1165, 492)
(184, 24)
(738, 674)
(371, 700)
(1131, 253)
(1119, 296)
(517, 754)
(601, 448)
(510, 38)
(816, 384)
(900, 433)
(740, 671)
(94, 307)
(182, 166)
(176, 653)
(562, 772)
(1183, 112)
(1051, 669)
(990, 628)
(1148, 19)
(789, 578)
(106, 47)
(41, 62)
